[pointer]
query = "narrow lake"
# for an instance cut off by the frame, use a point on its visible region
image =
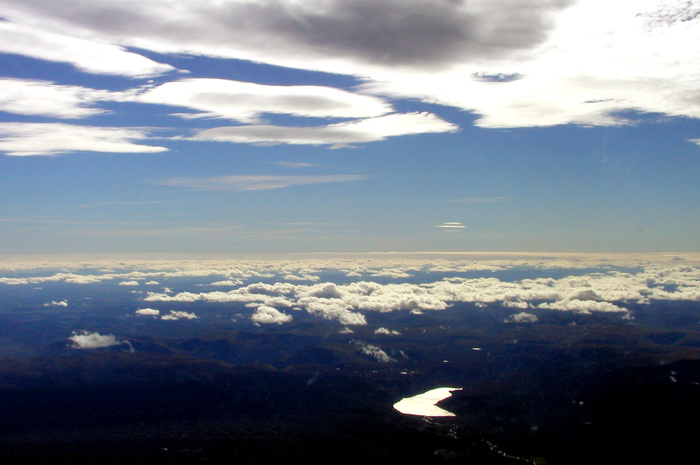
(424, 404)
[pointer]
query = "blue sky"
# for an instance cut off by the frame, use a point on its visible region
(349, 126)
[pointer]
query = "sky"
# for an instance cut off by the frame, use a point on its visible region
(287, 126)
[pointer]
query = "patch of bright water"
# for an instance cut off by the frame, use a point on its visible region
(424, 404)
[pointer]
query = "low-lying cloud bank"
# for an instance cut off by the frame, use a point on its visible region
(276, 289)
(596, 292)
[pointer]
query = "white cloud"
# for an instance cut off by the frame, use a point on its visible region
(403, 298)
(166, 297)
(26, 97)
(598, 60)
(374, 352)
(179, 315)
(147, 312)
(606, 290)
(269, 315)
(323, 291)
(56, 303)
(58, 277)
(515, 304)
(582, 306)
(227, 282)
(522, 317)
(335, 35)
(303, 277)
(268, 289)
(515, 63)
(391, 273)
(332, 309)
(23, 139)
(451, 225)
(336, 135)
(255, 182)
(85, 340)
(90, 56)
(368, 296)
(386, 332)
(129, 283)
(14, 281)
(246, 101)
(260, 293)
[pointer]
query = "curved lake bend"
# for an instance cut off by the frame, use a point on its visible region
(424, 404)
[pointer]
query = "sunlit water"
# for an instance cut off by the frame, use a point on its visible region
(424, 404)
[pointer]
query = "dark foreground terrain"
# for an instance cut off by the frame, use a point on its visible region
(545, 394)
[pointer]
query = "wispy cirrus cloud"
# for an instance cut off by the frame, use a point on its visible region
(91, 56)
(372, 117)
(254, 182)
(336, 135)
(142, 202)
(44, 98)
(234, 100)
(480, 200)
(296, 165)
(246, 101)
(25, 139)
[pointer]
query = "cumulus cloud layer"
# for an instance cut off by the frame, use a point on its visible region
(350, 304)
(412, 286)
